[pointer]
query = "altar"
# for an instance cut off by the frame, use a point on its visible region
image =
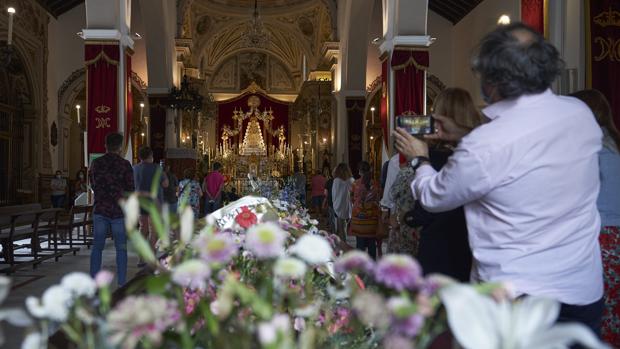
(252, 140)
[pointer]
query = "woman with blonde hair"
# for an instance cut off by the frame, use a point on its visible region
(341, 197)
(438, 240)
(608, 204)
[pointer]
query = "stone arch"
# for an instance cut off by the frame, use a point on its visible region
(72, 88)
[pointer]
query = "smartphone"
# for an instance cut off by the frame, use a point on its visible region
(416, 124)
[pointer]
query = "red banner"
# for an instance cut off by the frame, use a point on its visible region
(101, 93)
(128, 99)
(409, 66)
(533, 14)
(355, 116)
(383, 108)
(603, 50)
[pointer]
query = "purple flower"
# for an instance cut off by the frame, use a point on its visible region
(192, 274)
(399, 272)
(265, 240)
(409, 326)
(397, 342)
(354, 261)
(216, 248)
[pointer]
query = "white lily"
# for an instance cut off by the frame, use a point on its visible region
(131, 208)
(478, 322)
(14, 316)
(187, 225)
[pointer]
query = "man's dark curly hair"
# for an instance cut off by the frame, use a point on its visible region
(517, 61)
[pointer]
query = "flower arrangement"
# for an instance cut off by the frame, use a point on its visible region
(260, 274)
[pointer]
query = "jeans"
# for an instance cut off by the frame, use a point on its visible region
(101, 225)
(367, 243)
(58, 201)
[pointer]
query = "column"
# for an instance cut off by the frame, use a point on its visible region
(158, 126)
(107, 50)
(405, 59)
(355, 120)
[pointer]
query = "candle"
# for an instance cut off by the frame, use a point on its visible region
(372, 110)
(11, 12)
(304, 68)
(141, 111)
(77, 108)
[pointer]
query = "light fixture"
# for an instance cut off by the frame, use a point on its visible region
(141, 105)
(186, 98)
(503, 20)
(6, 52)
(324, 140)
(10, 10)
(376, 41)
(77, 109)
(142, 134)
(372, 109)
(372, 137)
(255, 35)
(77, 106)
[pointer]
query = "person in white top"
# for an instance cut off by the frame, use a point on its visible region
(528, 179)
(341, 196)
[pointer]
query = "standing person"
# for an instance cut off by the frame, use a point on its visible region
(329, 204)
(111, 177)
(170, 192)
(608, 204)
(443, 244)
(190, 191)
(341, 197)
(59, 190)
(144, 174)
(300, 186)
(318, 191)
(81, 185)
(366, 195)
(213, 185)
(529, 178)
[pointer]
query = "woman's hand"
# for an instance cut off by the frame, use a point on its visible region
(447, 129)
(409, 146)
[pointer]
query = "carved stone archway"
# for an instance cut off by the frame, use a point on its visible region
(71, 90)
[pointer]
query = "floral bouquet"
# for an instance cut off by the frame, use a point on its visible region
(268, 278)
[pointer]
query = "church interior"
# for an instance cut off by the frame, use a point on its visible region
(265, 88)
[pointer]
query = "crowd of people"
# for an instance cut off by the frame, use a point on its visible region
(525, 192)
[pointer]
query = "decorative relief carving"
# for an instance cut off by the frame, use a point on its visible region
(279, 77)
(226, 77)
(253, 68)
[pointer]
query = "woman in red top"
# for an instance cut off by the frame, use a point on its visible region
(366, 196)
(318, 191)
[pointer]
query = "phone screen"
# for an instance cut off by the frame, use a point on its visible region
(416, 124)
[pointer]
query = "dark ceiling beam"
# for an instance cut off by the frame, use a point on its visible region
(46, 7)
(445, 11)
(65, 6)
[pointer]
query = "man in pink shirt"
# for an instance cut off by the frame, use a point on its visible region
(528, 179)
(212, 188)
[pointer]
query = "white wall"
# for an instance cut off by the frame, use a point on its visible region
(375, 30)
(441, 59)
(466, 35)
(66, 55)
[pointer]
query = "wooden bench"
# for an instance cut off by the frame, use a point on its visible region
(80, 218)
(32, 222)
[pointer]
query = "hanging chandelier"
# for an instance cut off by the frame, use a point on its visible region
(255, 35)
(186, 98)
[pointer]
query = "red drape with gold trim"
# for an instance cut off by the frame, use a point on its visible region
(101, 93)
(533, 14)
(128, 98)
(603, 51)
(226, 109)
(409, 67)
(383, 107)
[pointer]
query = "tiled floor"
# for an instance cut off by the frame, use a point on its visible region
(33, 282)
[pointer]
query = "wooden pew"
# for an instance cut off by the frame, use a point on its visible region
(32, 222)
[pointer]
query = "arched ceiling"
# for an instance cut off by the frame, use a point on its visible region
(296, 28)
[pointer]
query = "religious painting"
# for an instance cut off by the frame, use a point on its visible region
(252, 68)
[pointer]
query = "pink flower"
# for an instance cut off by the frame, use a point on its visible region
(246, 218)
(103, 278)
(216, 248)
(265, 240)
(354, 261)
(399, 272)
